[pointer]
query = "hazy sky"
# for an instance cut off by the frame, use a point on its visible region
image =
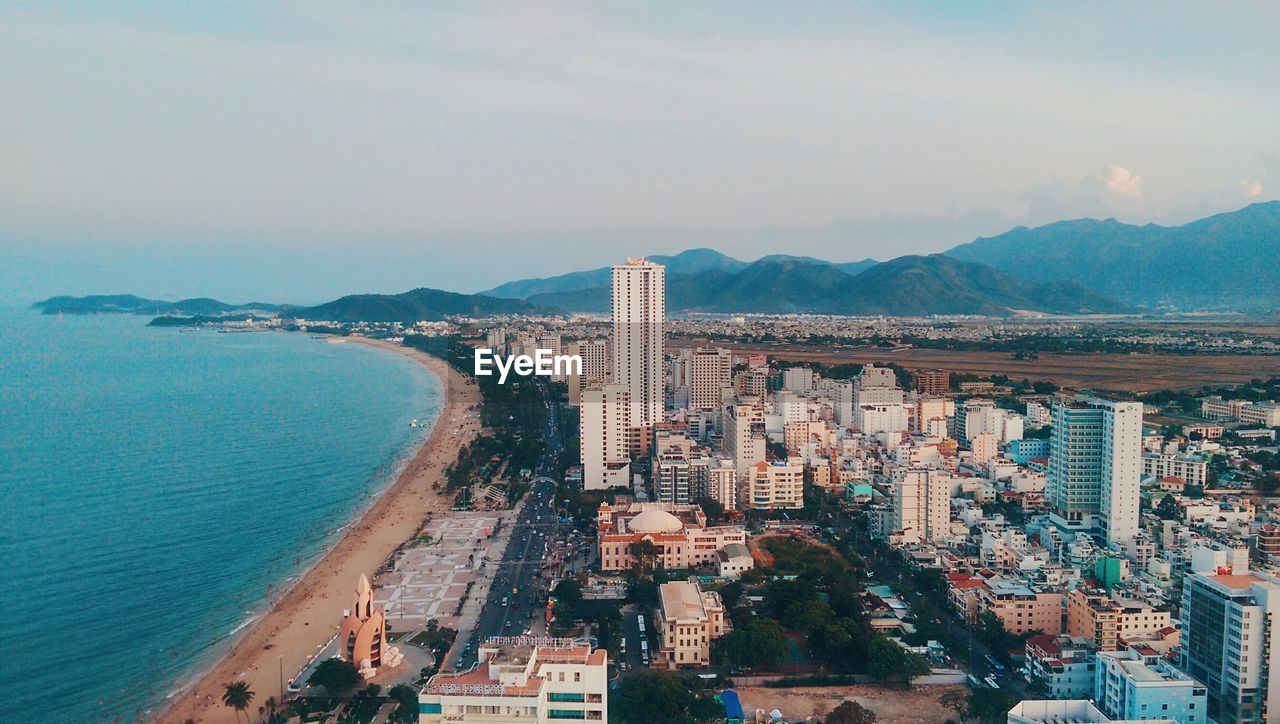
(294, 152)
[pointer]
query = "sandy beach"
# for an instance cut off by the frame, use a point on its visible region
(307, 616)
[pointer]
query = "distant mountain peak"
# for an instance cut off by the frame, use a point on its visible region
(1220, 262)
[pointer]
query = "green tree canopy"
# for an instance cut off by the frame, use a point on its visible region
(1168, 508)
(760, 643)
(335, 675)
(649, 696)
(851, 712)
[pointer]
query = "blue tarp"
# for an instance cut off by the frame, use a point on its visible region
(732, 707)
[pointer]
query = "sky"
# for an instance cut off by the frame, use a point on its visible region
(295, 152)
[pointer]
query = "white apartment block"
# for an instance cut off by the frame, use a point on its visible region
(522, 680)
(875, 418)
(1095, 467)
(797, 379)
(602, 441)
(707, 373)
(871, 376)
(744, 437)
(722, 482)
(929, 410)
(1193, 469)
(639, 310)
(595, 366)
(776, 486)
(921, 504)
(552, 342)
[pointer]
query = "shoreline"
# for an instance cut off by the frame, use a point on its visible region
(305, 616)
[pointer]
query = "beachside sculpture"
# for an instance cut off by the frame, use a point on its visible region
(363, 634)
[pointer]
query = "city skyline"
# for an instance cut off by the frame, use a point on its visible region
(306, 152)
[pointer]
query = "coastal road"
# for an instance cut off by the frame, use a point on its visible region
(519, 579)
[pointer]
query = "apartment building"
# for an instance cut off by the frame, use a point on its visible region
(1095, 467)
(1137, 684)
(744, 437)
(776, 485)
(604, 440)
(932, 382)
(921, 504)
(1110, 623)
(1021, 608)
(1192, 469)
(1061, 666)
(1231, 642)
(639, 310)
(519, 680)
(595, 367)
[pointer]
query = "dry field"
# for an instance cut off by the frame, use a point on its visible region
(919, 704)
(1132, 372)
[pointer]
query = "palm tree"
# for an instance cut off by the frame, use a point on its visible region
(238, 696)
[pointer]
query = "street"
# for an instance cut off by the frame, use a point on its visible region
(517, 598)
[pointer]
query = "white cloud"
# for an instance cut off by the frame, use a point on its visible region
(1121, 181)
(1250, 189)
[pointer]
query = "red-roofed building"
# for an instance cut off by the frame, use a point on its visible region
(1062, 665)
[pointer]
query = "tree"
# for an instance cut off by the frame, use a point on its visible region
(730, 594)
(851, 712)
(957, 700)
(407, 696)
(644, 553)
(335, 675)
(713, 509)
(238, 696)
(759, 643)
(807, 616)
(885, 658)
(568, 591)
(781, 593)
(1168, 508)
(648, 696)
(990, 630)
(990, 706)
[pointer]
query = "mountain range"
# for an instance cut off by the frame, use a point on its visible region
(1229, 261)
(908, 285)
(130, 304)
(417, 305)
(1224, 262)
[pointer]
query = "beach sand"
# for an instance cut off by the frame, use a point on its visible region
(307, 616)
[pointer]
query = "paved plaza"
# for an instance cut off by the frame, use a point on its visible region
(430, 579)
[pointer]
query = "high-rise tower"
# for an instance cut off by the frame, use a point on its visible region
(1095, 467)
(639, 308)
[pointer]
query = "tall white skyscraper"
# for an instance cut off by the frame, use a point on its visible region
(639, 308)
(1095, 467)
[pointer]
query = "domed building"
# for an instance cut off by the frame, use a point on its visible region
(679, 534)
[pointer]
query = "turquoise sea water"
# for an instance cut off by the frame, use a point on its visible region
(159, 487)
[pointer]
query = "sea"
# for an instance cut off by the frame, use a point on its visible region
(160, 487)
